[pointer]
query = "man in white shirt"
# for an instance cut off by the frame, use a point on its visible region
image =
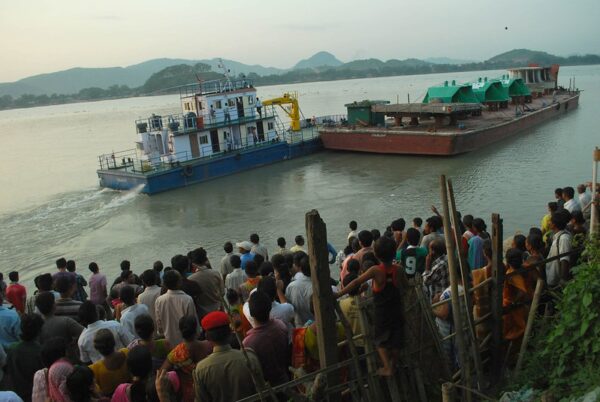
(558, 271)
(353, 229)
(88, 315)
(257, 248)
(226, 267)
(299, 291)
(584, 196)
(151, 291)
(571, 203)
(280, 308)
(235, 279)
(171, 307)
(132, 309)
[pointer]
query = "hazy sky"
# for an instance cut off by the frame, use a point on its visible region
(38, 36)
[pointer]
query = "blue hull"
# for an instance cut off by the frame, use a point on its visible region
(205, 169)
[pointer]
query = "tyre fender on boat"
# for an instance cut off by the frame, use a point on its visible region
(187, 171)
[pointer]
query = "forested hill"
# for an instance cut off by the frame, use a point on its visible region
(321, 67)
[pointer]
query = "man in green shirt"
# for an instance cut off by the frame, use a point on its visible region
(412, 259)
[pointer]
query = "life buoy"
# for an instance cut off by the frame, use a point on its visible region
(187, 171)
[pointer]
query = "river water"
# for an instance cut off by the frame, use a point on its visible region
(51, 205)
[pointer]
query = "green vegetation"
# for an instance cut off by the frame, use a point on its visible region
(564, 358)
(166, 79)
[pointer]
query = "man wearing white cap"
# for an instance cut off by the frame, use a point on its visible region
(246, 255)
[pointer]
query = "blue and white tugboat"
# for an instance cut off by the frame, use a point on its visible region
(223, 129)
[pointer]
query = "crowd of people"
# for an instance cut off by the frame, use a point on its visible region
(217, 331)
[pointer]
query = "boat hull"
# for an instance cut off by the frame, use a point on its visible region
(381, 140)
(202, 170)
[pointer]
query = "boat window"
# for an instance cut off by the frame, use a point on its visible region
(218, 104)
(270, 126)
(250, 100)
(203, 139)
(231, 102)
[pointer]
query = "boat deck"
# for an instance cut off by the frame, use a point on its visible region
(487, 119)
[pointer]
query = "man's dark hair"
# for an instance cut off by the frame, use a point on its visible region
(71, 266)
(104, 342)
(13, 276)
(235, 261)
(365, 238)
(61, 263)
(127, 295)
(301, 260)
(93, 267)
(171, 279)
(558, 192)
(53, 349)
(228, 247)
(479, 225)
(199, 256)
(266, 268)
(561, 218)
(353, 225)
(355, 244)
(44, 282)
(254, 238)
(277, 260)
(385, 250)
(220, 335)
(467, 220)
(258, 259)
(268, 286)
(514, 258)
(64, 283)
(353, 266)
(413, 236)
(398, 225)
(299, 240)
(376, 234)
(125, 275)
(536, 231)
(438, 246)
(44, 301)
(535, 241)
(519, 240)
(349, 278)
(144, 326)
(553, 206)
(87, 313)
(188, 327)
(281, 242)
(139, 363)
(149, 277)
(251, 269)
(180, 263)
(260, 306)
(417, 221)
(578, 216)
(158, 266)
(125, 265)
(79, 383)
(232, 296)
(31, 325)
(435, 223)
(569, 192)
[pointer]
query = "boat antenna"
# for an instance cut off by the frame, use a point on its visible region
(225, 71)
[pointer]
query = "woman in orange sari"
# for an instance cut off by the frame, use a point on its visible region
(516, 292)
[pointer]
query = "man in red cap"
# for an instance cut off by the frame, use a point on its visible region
(223, 376)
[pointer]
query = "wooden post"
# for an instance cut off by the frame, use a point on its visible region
(456, 310)
(316, 233)
(374, 381)
(539, 286)
(496, 294)
(447, 392)
(594, 211)
(465, 273)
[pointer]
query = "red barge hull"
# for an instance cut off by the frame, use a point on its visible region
(480, 131)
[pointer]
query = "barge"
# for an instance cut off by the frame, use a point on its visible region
(454, 119)
(223, 129)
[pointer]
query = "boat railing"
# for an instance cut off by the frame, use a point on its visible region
(182, 123)
(215, 86)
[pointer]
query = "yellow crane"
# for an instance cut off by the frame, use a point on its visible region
(288, 98)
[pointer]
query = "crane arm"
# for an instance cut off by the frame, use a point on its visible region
(287, 99)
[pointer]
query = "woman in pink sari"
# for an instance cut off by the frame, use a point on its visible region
(51, 382)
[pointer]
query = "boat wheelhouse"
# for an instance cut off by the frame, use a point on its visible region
(223, 128)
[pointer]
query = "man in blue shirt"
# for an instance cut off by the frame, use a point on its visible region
(10, 324)
(246, 255)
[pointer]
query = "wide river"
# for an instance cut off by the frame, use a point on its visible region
(51, 205)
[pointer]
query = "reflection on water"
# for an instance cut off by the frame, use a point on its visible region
(54, 208)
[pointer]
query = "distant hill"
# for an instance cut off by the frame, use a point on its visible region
(447, 60)
(319, 59)
(523, 57)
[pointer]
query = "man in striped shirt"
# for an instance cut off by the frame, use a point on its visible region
(66, 285)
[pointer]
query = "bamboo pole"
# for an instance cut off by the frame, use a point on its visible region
(464, 270)
(316, 233)
(374, 383)
(496, 295)
(456, 311)
(539, 286)
(447, 392)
